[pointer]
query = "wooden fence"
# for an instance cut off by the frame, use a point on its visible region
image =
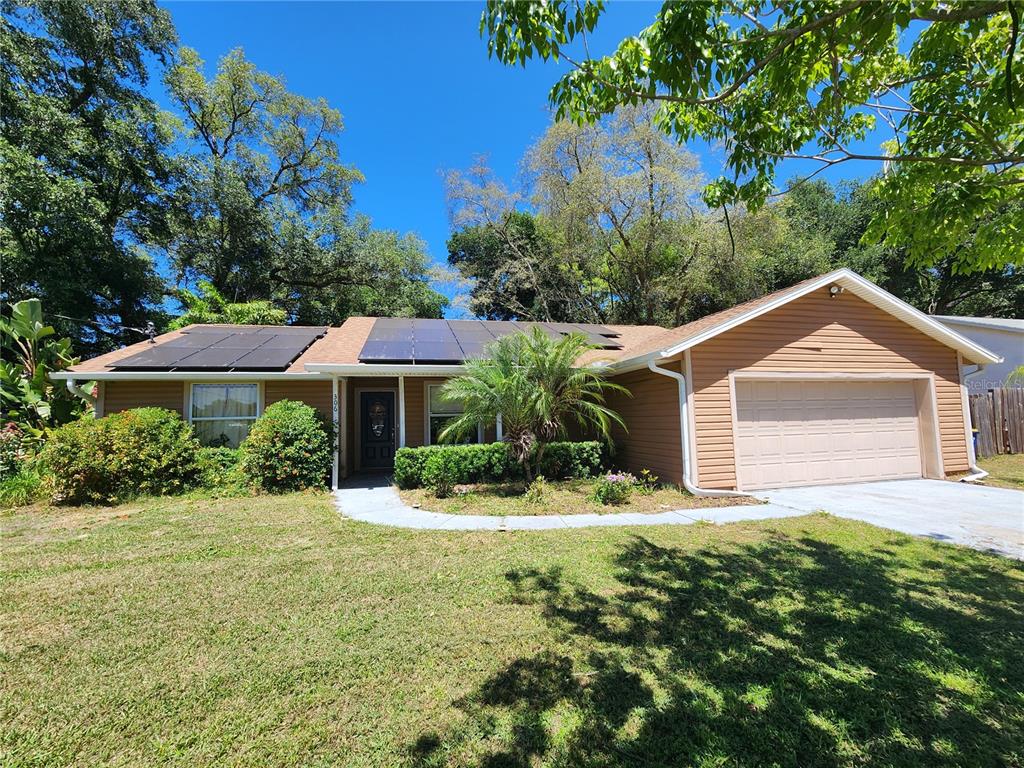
(998, 417)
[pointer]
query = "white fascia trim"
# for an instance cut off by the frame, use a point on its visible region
(847, 279)
(367, 369)
(180, 376)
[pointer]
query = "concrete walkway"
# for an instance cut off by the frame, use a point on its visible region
(372, 499)
(989, 519)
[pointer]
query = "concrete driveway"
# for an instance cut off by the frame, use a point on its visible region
(990, 519)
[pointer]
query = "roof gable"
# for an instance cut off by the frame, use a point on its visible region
(687, 336)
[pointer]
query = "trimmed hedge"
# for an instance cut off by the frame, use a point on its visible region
(144, 451)
(493, 462)
(288, 448)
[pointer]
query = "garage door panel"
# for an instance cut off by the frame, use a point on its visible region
(814, 432)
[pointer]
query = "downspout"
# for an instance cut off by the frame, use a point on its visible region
(684, 436)
(977, 473)
(74, 389)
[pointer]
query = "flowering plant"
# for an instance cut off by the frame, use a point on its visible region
(614, 487)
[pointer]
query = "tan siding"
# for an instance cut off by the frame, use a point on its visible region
(652, 418)
(816, 333)
(123, 395)
(416, 410)
(314, 393)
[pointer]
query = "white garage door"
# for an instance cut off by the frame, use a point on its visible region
(814, 432)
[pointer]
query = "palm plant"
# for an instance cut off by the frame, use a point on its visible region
(209, 306)
(533, 383)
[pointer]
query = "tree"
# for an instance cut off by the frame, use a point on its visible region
(84, 164)
(842, 215)
(811, 81)
(532, 382)
(607, 227)
(30, 354)
(363, 271)
(516, 267)
(265, 165)
(208, 306)
(621, 194)
(264, 204)
(516, 272)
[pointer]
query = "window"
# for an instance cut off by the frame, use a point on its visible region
(221, 414)
(440, 412)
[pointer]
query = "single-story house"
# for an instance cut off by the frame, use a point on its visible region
(831, 380)
(1002, 335)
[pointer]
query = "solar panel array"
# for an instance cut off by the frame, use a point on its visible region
(222, 348)
(402, 340)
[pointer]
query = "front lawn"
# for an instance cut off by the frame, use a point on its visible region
(563, 497)
(1006, 471)
(269, 631)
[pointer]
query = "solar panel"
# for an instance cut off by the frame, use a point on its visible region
(155, 357)
(437, 351)
(387, 350)
(224, 348)
(289, 341)
(265, 358)
(192, 340)
(211, 357)
(435, 341)
(472, 349)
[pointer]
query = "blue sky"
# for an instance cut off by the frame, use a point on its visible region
(415, 87)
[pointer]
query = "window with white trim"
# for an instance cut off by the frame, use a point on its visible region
(221, 414)
(440, 411)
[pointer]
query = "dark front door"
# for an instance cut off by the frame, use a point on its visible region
(377, 430)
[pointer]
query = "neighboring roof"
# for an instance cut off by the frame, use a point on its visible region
(997, 323)
(686, 336)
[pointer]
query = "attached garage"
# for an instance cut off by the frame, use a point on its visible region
(816, 431)
(833, 380)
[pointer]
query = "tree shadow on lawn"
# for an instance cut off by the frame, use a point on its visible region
(792, 652)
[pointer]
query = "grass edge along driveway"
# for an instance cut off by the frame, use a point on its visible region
(269, 631)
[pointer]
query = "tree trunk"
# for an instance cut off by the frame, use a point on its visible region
(540, 455)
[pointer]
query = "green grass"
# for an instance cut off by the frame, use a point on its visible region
(561, 497)
(1006, 471)
(268, 631)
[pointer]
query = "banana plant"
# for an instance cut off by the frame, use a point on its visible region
(30, 354)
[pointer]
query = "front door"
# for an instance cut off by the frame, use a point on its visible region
(377, 430)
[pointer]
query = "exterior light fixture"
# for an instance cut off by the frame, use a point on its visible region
(834, 290)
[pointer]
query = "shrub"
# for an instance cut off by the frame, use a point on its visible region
(537, 492)
(614, 488)
(145, 451)
(494, 462)
(21, 488)
(410, 463)
(288, 448)
(12, 450)
(577, 461)
(647, 483)
(220, 468)
(441, 473)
